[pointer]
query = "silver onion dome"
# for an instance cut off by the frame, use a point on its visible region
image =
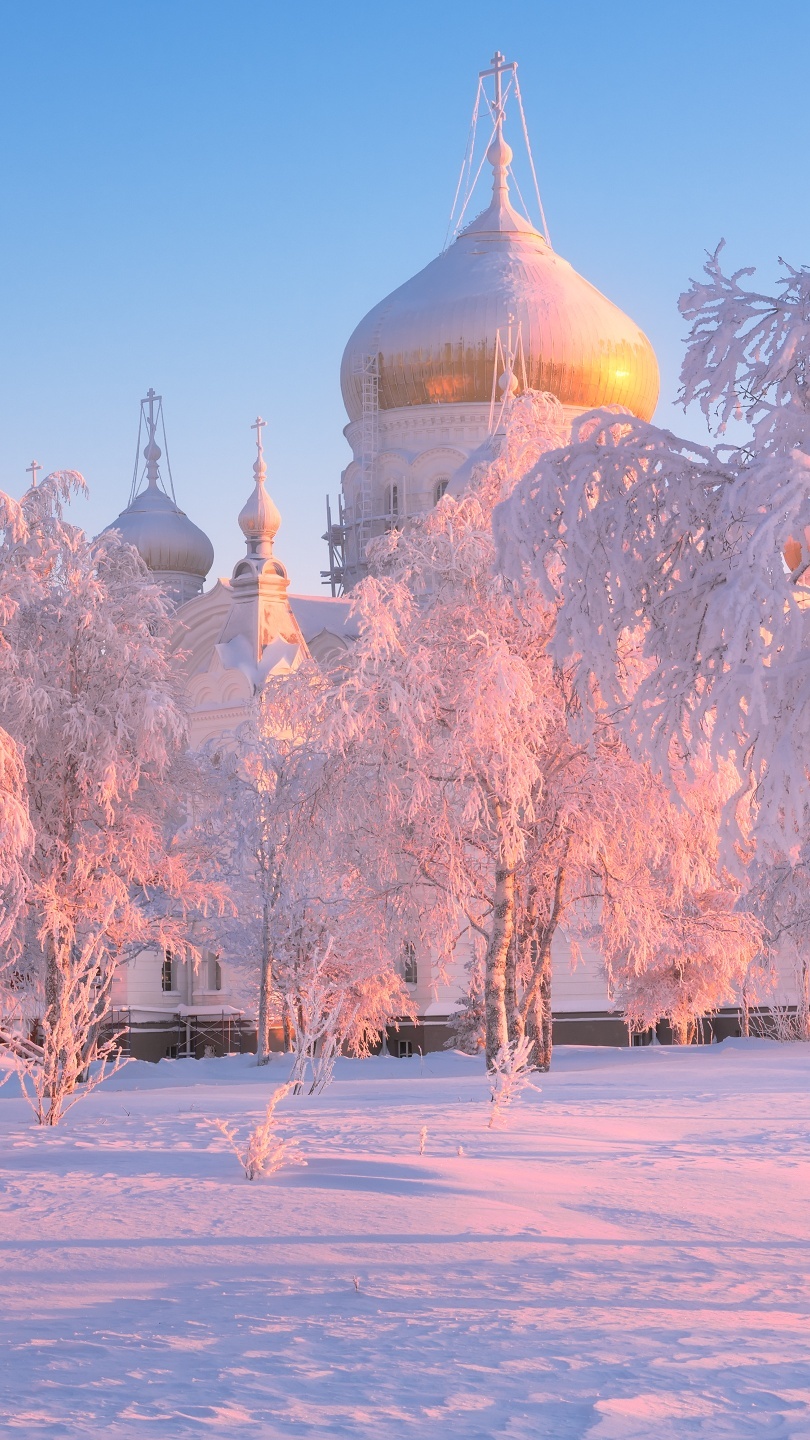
(165, 538)
(177, 551)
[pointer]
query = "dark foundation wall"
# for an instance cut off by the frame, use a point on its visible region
(589, 1028)
(586, 1027)
(167, 1041)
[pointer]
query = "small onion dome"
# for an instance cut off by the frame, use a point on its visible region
(259, 518)
(163, 535)
(435, 337)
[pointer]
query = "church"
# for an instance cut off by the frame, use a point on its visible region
(425, 377)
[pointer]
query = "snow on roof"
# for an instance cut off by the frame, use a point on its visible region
(316, 613)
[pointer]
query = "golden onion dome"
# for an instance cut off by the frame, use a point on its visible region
(435, 338)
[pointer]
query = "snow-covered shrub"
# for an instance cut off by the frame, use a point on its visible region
(263, 1151)
(337, 997)
(509, 1075)
(468, 1031)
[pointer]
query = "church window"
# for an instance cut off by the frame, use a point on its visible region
(440, 487)
(167, 971)
(392, 500)
(409, 967)
(214, 975)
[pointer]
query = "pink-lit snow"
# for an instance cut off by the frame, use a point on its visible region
(627, 1258)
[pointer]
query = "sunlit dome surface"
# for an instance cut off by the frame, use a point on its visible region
(435, 337)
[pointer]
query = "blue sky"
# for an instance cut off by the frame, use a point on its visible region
(206, 198)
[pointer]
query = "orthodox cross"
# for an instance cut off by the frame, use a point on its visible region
(258, 425)
(498, 65)
(32, 471)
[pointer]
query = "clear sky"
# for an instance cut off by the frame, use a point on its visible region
(206, 198)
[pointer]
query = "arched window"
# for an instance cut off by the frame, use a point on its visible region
(409, 968)
(440, 485)
(167, 972)
(392, 500)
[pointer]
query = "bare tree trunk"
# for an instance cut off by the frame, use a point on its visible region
(745, 1013)
(804, 1004)
(51, 975)
(542, 1011)
(514, 1019)
(537, 998)
(265, 993)
(537, 1007)
(503, 929)
(683, 1031)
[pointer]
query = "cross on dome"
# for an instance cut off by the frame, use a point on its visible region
(152, 451)
(32, 471)
(498, 63)
(259, 467)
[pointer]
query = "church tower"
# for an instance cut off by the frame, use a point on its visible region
(496, 313)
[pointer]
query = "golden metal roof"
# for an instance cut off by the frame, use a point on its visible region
(435, 337)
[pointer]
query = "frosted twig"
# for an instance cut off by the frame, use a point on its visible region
(263, 1152)
(509, 1077)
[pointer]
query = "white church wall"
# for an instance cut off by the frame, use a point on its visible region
(577, 985)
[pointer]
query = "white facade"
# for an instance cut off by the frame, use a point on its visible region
(423, 378)
(233, 636)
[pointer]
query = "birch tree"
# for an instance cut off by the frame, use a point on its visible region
(516, 821)
(89, 700)
(317, 900)
(680, 570)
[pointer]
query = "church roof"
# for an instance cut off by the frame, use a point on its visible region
(162, 533)
(167, 541)
(435, 338)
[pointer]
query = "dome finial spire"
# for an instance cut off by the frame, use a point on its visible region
(152, 451)
(499, 153)
(259, 467)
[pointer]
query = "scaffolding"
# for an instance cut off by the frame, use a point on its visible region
(508, 372)
(368, 368)
(347, 540)
(335, 537)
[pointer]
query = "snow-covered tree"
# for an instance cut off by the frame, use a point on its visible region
(89, 699)
(317, 900)
(680, 570)
(509, 819)
(16, 835)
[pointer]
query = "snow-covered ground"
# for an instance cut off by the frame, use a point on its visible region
(629, 1258)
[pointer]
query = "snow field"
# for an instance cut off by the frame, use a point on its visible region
(628, 1258)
